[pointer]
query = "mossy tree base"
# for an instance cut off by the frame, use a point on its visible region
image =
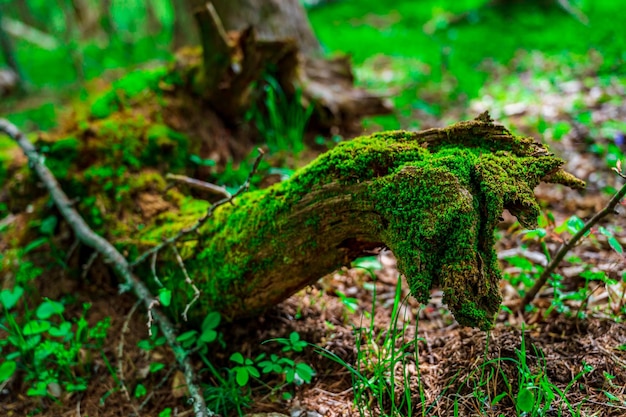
(234, 64)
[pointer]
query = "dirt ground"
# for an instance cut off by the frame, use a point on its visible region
(449, 368)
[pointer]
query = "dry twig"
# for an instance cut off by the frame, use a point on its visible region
(200, 185)
(108, 252)
(196, 291)
(120, 356)
(153, 269)
(171, 240)
(567, 246)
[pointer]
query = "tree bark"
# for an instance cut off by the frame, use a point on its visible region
(184, 32)
(273, 20)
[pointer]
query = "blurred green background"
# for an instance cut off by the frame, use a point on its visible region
(426, 55)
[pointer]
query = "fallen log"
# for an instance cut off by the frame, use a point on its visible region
(433, 197)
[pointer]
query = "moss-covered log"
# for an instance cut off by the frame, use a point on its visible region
(433, 198)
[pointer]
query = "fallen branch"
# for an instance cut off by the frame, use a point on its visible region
(202, 220)
(200, 185)
(84, 233)
(432, 197)
(569, 245)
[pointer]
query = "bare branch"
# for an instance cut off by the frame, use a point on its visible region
(153, 269)
(88, 264)
(200, 185)
(196, 291)
(169, 241)
(28, 33)
(153, 304)
(567, 246)
(108, 252)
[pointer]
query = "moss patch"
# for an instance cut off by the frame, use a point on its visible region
(128, 89)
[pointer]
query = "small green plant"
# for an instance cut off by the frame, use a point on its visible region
(45, 346)
(534, 394)
(244, 369)
(282, 120)
(293, 344)
(196, 159)
(350, 303)
(295, 372)
(166, 412)
(232, 387)
(227, 393)
(153, 342)
(374, 379)
(529, 270)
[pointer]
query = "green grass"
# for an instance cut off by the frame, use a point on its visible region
(533, 394)
(281, 120)
(376, 386)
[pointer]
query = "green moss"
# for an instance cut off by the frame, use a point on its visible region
(135, 83)
(165, 146)
(127, 89)
(104, 105)
(61, 154)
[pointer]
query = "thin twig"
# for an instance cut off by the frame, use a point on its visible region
(162, 382)
(567, 246)
(203, 219)
(607, 405)
(200, 185)
(88, 264)
(120, 355)
(153, 268)
(71, 250)
(154, 303)
(196, 291)
(7, 220)
(108, 252)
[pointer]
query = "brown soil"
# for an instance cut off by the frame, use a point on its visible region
(451, 363)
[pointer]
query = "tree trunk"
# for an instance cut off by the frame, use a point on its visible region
(184, 32)
(273, 20)
(433, 198)
(72, 35)
(243, 41)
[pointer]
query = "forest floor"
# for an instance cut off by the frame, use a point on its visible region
(568, 350)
